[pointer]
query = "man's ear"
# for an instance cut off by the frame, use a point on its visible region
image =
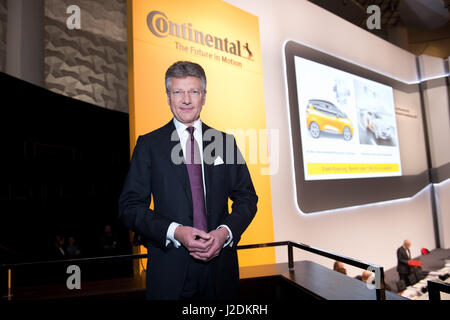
(203, 98)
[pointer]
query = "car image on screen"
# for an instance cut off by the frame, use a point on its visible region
(376, 128)
(323, 115)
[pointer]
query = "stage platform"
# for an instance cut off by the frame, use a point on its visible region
(309, 280)
(312, 280)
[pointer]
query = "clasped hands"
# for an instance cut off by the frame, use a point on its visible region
(201, 245)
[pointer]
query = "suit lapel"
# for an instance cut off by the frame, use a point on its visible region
(171, 142)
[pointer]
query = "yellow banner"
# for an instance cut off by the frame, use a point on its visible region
(351, 168)
(225, 41)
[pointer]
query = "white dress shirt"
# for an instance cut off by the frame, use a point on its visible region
(184, 135)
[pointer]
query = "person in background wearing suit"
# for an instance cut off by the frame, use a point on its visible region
(339, 267)
(59, 248)
(403, 257)
(191, 171)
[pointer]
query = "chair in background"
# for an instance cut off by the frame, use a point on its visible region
(401, 286)
(412, 279)
(419, 274)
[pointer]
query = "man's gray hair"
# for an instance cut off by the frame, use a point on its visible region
(182, 69)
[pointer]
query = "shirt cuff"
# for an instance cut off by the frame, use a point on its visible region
(170, 236)
(229, 240)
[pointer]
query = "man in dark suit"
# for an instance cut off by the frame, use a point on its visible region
(190, 234)
(403, 257)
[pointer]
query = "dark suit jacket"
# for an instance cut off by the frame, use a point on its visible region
(403, 258)
(152, 172)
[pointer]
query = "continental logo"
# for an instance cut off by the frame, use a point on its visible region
(162, 27)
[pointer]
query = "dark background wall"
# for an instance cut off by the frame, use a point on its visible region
(3, 17)
(63, 167)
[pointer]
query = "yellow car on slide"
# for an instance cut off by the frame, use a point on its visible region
(322, 115)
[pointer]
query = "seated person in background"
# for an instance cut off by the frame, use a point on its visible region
(403, 256)
(73, 251)
(59, 250)
(108, 241)
(339, 267)
(368, 277)
(365, 277)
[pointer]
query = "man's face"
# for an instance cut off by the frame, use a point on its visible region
(185, 106)
(407, 244)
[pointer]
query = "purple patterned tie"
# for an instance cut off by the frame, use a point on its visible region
(194, 167)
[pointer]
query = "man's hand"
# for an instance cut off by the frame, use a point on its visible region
(219, 236)
(195, 240)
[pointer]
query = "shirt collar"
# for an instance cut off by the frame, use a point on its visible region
(181, 127)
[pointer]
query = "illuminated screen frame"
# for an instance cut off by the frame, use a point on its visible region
(320, 195)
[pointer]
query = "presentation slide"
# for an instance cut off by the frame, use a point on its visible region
(347, 123)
